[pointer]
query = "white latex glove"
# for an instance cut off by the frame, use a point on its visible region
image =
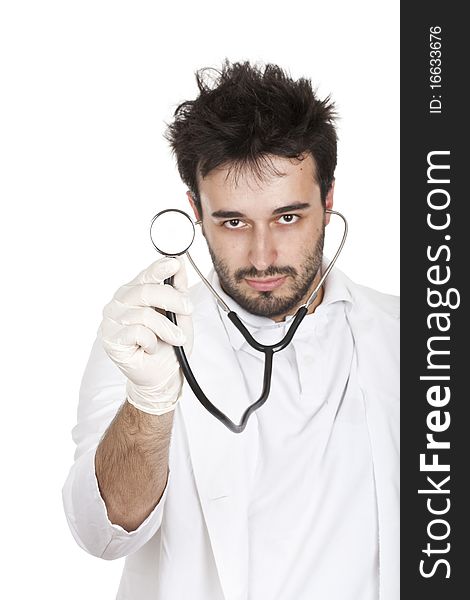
(140, 340)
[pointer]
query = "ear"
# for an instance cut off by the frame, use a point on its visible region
(193, 205)
(329, 201)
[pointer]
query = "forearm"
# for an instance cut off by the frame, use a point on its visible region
(131, 464)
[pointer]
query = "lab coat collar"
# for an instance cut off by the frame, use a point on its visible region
(334, 290)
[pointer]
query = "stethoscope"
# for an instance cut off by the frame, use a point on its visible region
(162, 234)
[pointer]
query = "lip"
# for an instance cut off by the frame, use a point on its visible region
(266, 285)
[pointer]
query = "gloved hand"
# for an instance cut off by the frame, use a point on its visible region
(140, 340)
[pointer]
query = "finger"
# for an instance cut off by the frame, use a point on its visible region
(157, 272)
(160, 325)
(129, 338)
(185, 323)
(161, 296)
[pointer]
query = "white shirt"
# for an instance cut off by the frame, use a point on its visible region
(314, 477)
(203, 539)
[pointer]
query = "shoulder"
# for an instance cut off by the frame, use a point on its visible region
(203, 303)
(369, 299)
(199, 294)
(386, 303)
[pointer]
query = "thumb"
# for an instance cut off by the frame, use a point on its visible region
(157, 272)
(180, 281)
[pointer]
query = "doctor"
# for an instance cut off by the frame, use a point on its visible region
(304, 503)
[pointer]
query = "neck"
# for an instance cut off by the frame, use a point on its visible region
(318, 300)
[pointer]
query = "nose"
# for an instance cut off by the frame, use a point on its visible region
(263, 252)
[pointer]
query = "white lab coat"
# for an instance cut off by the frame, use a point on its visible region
(204, 509)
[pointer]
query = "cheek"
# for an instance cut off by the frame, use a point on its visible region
(295, 241)
(297, 246)
(228, 248)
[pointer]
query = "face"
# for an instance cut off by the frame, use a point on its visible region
(265, 236)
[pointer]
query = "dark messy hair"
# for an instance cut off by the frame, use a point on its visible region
(243, 114)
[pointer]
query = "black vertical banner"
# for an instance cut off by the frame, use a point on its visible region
(435, 434)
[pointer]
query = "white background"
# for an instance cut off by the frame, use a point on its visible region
(86, 89)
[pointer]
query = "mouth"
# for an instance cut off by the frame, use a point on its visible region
(266, 285)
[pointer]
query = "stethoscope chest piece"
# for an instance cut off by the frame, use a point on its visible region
(172, 232)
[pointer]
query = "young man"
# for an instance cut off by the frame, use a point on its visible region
(304, 503)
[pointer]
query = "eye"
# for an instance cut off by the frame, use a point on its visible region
(233, 224)
(288, 219)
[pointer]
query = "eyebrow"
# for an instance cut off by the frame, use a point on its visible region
(234, 214)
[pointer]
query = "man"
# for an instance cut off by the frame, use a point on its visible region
(304, 503)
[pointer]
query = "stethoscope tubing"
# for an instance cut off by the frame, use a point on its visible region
(267, 350)
(204, 400)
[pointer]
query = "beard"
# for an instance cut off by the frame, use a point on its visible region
(268, 304)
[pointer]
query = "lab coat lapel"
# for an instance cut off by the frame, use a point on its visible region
(378, 378)
(223, 462)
